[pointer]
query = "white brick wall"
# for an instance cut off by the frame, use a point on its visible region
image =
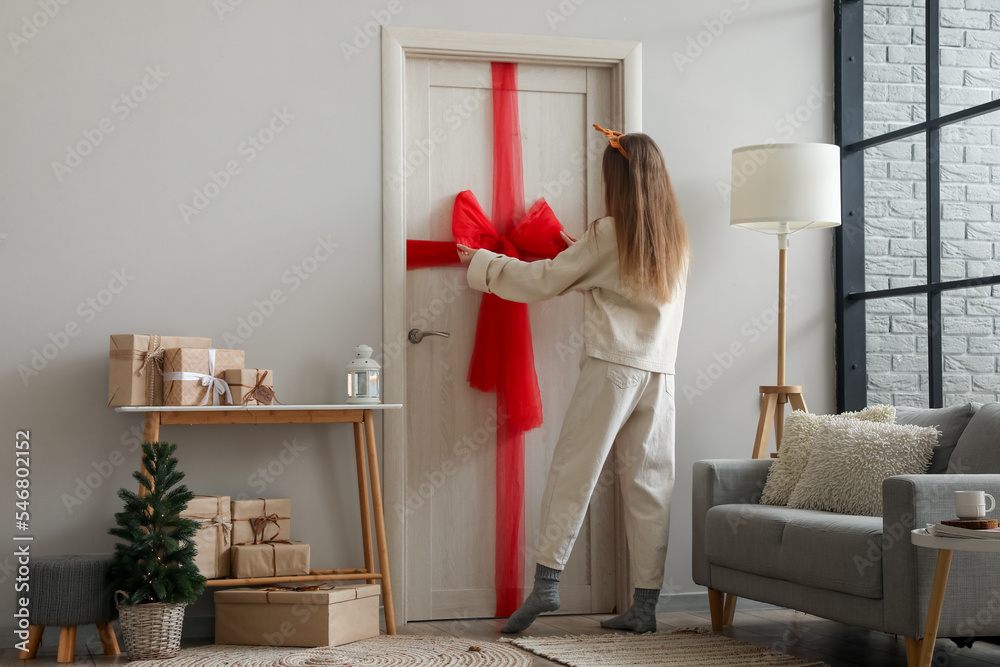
(895, 208)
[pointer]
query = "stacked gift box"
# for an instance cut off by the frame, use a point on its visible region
(319, 615)
(213, 540)
(246, 539)
(262, 544)
(148, 369)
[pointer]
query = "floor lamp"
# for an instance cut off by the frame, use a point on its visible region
(782, 189)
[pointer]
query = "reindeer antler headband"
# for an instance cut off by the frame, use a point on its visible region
(612, 138)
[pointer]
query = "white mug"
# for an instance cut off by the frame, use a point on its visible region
(972, 504)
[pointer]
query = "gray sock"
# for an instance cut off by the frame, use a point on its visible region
(544, 597)
(641, 616)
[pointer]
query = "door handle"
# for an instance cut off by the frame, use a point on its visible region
(416, 335)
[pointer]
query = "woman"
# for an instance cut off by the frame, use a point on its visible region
(632, 268)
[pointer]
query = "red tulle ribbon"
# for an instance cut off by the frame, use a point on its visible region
(503, 359)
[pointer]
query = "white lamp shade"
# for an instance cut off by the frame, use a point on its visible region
(785, 187)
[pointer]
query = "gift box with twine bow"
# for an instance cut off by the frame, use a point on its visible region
(213, 539)
(262, 546)
(135, 369)
(261, 520)
(251, 386)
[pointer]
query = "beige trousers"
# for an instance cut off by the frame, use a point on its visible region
(634, 410)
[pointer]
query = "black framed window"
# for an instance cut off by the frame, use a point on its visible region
(917, 97)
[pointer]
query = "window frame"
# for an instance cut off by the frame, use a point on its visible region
(849, 240)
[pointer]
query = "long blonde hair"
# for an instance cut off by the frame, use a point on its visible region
(653, 248)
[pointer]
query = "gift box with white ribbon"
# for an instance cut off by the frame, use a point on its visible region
(194, 376)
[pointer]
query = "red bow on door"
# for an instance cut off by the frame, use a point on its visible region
(503, 335)
(503, 359)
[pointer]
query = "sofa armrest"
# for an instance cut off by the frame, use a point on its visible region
(721, 482)
(913, 501)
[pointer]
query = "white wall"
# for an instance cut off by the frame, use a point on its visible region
(220, 78)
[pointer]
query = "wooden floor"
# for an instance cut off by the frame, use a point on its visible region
(786, 631)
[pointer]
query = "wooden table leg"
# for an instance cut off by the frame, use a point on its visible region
(366, 517)
(941, 570)
(383, 551)
(150, 433)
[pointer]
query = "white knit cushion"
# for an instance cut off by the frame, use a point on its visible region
(850, 458)
(800, 428)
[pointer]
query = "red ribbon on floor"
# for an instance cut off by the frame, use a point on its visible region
(503, 359)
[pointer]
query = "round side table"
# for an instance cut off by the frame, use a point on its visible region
(945, 546)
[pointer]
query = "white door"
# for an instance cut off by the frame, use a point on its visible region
(450, 428)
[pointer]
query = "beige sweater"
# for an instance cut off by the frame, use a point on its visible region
(615, 329)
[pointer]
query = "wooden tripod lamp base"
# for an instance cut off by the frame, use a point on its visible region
(772, 411)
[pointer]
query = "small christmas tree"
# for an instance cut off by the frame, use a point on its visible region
(156, 561)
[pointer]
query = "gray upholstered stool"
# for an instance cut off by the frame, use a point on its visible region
(67, 591)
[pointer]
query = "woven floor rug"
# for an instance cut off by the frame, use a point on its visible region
(395, 651)
(683, 648)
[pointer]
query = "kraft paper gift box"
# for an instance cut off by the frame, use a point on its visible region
(135, 368)
(324, 615)
(251, 386)
(261, 520)
(194, 376)
(214, 537)
(270, 559)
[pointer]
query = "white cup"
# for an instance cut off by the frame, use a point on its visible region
(972, 504)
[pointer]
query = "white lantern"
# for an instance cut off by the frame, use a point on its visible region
(364, 377)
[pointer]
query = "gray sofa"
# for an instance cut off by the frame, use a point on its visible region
(855, 569)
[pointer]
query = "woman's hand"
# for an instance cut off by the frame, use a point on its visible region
(569, 240)
(465, 254)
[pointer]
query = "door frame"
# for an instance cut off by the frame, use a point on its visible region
(624, 58)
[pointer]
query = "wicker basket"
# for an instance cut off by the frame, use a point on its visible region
(151, 631)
